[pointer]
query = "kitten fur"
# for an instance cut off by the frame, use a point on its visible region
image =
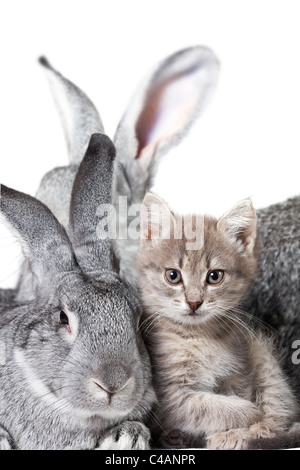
(214, 376)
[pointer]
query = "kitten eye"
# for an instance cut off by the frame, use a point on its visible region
(215, 277)
(63, 318)
(173, 276)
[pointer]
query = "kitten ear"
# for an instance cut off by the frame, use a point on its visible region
(240, 223)
(157, 220)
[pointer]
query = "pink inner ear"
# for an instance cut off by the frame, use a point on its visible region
(167, 108)
(176, 126)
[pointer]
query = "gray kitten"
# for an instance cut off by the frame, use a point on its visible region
(213, 374)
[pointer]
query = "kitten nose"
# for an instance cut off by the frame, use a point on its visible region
(194, 305)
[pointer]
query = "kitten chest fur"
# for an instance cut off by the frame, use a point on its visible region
(189, 360)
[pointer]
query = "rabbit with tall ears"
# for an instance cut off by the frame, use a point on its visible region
(74, 372)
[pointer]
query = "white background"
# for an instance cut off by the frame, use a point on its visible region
(247, 143)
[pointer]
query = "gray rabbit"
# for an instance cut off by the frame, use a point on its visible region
(74, 373)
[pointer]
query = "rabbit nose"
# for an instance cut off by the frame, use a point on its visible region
(113, 379)
(110, 390)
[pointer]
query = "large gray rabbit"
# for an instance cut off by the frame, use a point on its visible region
(74, 373)
(161, 112)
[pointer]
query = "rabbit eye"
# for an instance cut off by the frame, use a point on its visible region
(69, 322)
(63, 318)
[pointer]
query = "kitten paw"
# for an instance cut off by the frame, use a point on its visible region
(234, 439)
(130, 435)
(260, 430)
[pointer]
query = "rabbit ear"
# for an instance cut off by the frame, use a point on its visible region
(79, 116)
(161, 112)
(44, 241)
(92, 216)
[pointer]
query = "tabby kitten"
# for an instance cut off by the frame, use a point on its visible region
(213, 375)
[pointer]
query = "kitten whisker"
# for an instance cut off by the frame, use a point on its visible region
(253, 318)
(152, 319)
(221, 319)
(230, 315)
(157, 421)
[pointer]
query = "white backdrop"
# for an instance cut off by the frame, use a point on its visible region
(247, 143)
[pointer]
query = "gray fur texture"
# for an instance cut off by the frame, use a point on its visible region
(7, 296)
(274, 296)
(74, 372)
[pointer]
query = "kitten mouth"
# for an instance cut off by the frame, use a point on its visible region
(197, 316)
(194, 314)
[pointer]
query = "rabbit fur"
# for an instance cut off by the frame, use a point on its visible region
(74, 371)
